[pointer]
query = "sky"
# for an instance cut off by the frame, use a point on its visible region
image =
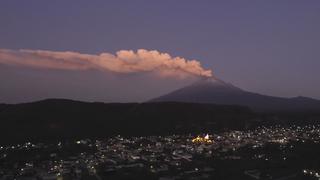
(128, 51)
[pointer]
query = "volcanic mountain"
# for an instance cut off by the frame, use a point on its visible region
(215, 91)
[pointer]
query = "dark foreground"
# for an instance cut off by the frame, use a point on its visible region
(264, 153)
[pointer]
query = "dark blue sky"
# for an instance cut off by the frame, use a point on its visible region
(270, 47)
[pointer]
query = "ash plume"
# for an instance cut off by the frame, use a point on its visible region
(123, 61)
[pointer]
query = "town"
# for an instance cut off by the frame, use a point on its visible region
(264, 153)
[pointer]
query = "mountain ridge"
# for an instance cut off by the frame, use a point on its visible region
(53, 119)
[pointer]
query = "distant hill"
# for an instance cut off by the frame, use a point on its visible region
(54, 119)
(215, 91)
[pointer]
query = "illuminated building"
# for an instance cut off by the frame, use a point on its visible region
(205, 139)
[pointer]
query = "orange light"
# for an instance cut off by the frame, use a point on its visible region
(205, 139)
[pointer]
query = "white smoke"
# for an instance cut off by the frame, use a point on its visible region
(124, 61)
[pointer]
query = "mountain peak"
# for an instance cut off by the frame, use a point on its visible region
(210, 80)
(213, 83)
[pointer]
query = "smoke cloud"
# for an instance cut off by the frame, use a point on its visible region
(124, 61)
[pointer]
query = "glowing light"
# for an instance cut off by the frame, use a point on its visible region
(205, 139)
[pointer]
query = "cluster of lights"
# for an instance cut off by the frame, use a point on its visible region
(311, 173)
(205, 139)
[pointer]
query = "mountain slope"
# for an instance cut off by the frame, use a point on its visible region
(218, 92)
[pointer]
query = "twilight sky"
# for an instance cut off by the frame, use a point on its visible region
(82, 49)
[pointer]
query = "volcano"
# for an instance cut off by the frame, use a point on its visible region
(215, 91)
